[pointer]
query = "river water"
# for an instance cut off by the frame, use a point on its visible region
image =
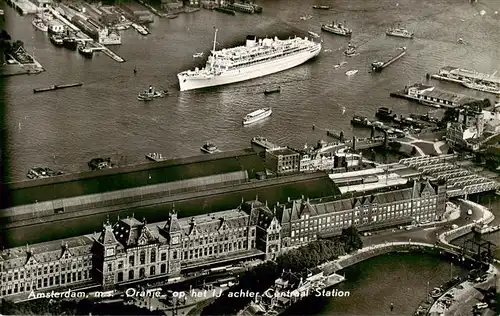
(64, 129)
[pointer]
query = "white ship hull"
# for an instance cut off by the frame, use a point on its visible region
(258, 118)
(243, 74)
(481, 88)
(110, 41)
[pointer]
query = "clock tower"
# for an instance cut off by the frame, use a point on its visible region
(173, 233)
(103, 256)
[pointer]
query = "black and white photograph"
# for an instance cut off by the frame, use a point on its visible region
(250, 157)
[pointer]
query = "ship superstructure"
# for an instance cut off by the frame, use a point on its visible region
(399, 32)
(337, 28)
(257, 58)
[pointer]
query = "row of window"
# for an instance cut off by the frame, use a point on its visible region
(48, 269)
(217, 249)
(62, 279)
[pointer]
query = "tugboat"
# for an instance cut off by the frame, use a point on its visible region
(384, 113)
(350, 51)
(86, 51)
(70, 42)
(209, 148)
(155, 157)
(151, 94)
(42, 172)
(57, 40)
(337, 28)
(100, 163)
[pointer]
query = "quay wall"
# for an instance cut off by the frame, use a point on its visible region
(63, 225)
(126, 177)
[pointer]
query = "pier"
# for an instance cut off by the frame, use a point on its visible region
(430, 96)
(379, 66)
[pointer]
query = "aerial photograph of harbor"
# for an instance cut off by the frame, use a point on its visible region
(250, 157)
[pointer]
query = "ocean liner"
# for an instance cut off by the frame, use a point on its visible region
(257, 58)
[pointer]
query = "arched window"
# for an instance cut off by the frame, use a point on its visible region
(153, 255)
(142, 273)
(152, 270)
(120, 276)
(131, 275)
(142, 257)
(163, 268)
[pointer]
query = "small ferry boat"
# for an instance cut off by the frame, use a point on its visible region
(490, 88)
(360, 121)
(155, 157)
(351, 72)
(321, 7)
(399, 32)
(257, 116)
(209, 148)
(306, 17)
(350, 51)
(337, 28)
(198, 55)
(140, 28)
(150, 94)
(38, 23)
(86, 51)
(56, 39)
(271, 91)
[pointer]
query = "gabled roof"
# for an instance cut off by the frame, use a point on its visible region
(107, 236)
(127, 231)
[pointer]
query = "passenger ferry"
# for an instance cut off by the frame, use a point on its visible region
(490, 88)
(399, 32)
(337, 28)
(459, 75)
(257, 116)
(257, 58)
(38, 23)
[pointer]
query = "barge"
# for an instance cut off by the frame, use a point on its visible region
(378, 66)
(58, 87)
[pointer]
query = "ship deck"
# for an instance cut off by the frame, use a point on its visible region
(469, 73)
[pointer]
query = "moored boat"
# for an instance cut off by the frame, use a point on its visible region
(86, 51)
(140, 28)
(258, 58)
(337, 28)
(209, 148)
(258, 115)
(198, 55)
(70, 42)
(321, 7)
(360, 121)
(399, 32)
(272, 90)
(490, 88)
(56, 39)
(385, 113)
(38, 23)
(225, 10)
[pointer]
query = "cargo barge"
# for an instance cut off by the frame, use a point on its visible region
(378, 66)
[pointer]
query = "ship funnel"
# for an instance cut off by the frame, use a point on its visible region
(150, 89)
(251, 41)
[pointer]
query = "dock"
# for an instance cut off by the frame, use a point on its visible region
(58, 87)
(379, 66)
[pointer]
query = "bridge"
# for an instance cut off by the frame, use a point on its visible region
(461, 181)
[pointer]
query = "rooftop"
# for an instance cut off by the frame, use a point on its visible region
(282, 151)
